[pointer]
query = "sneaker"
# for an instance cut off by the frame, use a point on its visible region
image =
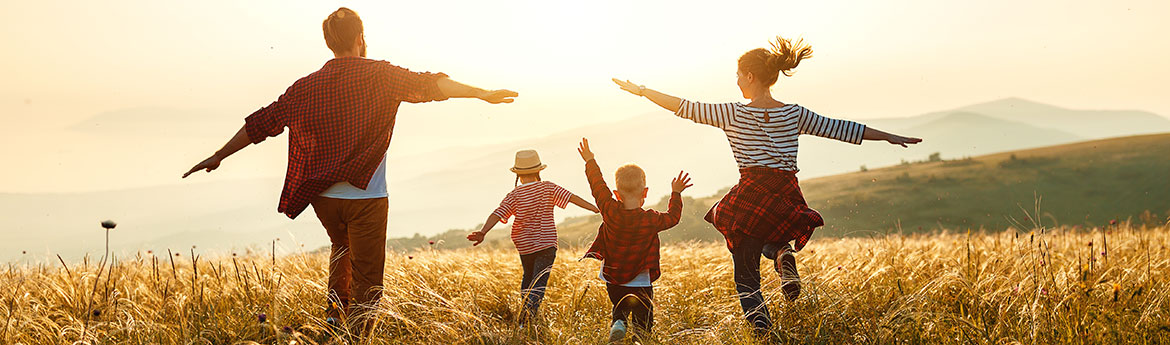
(789, 278)
(617, 332)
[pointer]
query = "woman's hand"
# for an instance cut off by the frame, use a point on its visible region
(901, 140)
(630, 87)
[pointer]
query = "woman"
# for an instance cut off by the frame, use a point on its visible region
(765, 210)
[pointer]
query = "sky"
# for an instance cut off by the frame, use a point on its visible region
(96, 95)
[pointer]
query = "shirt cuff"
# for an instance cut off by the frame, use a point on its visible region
(431, 86)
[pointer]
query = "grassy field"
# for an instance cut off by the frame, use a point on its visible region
(1090, 286)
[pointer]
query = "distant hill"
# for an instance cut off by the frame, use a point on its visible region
(975, 133)
(1089, 124)
(1087, 183)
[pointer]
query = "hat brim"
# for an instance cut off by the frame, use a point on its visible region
(529, 170)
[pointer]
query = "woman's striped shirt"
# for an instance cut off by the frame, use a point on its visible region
(767, 137)
(532, 203)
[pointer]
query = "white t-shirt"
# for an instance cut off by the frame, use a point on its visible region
(642, 280)
(376, 188)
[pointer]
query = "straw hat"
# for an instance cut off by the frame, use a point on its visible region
(527, 162)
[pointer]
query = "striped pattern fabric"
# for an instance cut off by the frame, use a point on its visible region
(762, 137)
(532, 203)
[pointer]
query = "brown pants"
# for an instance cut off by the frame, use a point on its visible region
(357, 231)
(639, 312)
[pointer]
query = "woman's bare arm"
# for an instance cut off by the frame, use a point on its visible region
(663, 100)
(874, 134)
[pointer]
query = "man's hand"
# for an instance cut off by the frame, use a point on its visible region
(476, 237)
(681, 183)
(498, 96)
(209, 164)
(583, 149)
(900, 140)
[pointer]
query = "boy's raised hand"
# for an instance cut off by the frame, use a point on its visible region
(583, 149)
(681, 183)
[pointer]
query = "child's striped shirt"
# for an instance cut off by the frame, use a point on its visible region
(767, 137)
(532, 203)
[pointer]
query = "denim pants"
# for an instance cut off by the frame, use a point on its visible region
(746, 257)
(537, 267)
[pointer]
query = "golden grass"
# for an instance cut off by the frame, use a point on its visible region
(1000, 288)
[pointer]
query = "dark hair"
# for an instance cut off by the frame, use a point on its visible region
(342, 28)
(766, 64)
(518, 176)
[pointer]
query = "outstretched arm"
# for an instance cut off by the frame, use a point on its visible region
(663, 100)
(478, 236)
(718, 115)
(874, 134)
(576, 200)
(237, 142)
(454, 89)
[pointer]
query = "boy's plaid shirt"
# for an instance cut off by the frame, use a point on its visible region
(627, 241)
(340, 121)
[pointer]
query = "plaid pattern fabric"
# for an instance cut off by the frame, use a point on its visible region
(340, 121)
(766, 204)
(627, 241)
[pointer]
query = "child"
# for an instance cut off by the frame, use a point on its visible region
(535, 231)
(627, 242)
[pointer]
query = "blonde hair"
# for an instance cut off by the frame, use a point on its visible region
(767, 64)
(630, 179)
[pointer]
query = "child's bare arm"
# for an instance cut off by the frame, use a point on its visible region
(478, 236)
(576, 200)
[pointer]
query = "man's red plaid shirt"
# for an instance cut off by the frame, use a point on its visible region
(627, 242)
(340, 121)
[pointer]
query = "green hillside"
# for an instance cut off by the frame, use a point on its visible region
(1086, 183)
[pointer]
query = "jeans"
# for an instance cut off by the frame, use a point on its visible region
(746, 257)
(537, 267)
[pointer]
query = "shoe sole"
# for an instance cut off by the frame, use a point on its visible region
(616, 335)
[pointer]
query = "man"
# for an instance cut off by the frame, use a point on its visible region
(340, 121)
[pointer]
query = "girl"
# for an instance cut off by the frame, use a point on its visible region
(765, 210)
(535, 232)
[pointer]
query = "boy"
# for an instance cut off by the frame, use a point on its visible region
(627, 241)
